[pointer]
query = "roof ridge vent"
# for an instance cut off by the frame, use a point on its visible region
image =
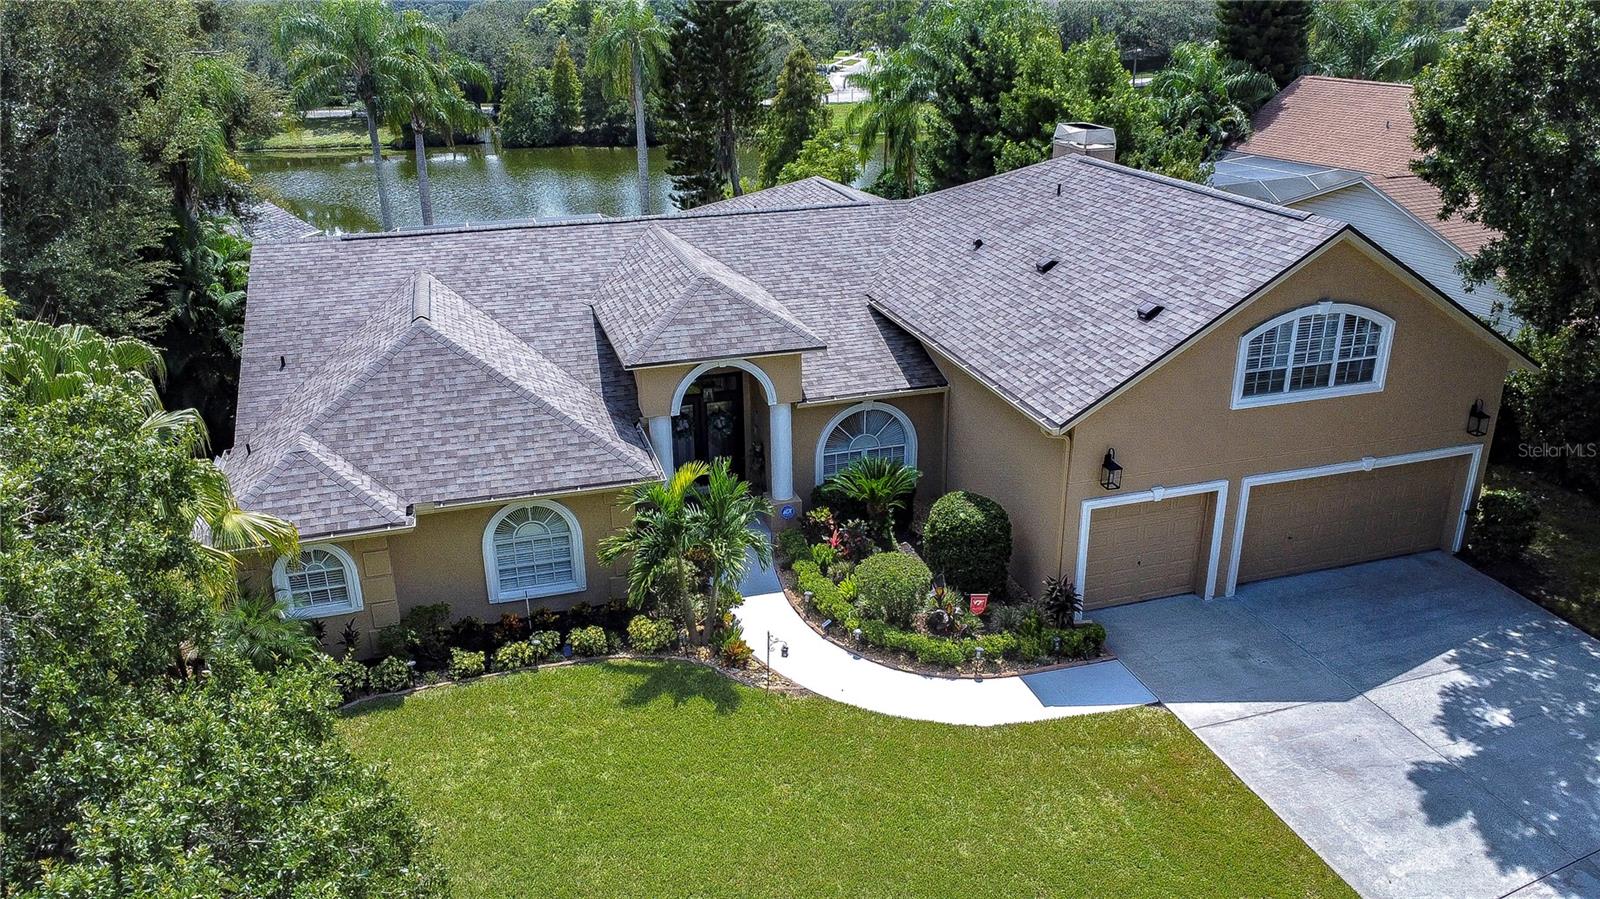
(422, 297)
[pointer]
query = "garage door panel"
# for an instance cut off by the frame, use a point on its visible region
(1324, 522)
(1146, 550)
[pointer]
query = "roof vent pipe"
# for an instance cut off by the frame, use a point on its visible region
(977, 244)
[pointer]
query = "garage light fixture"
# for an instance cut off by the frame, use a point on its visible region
(1477, 419)
(1111, 472)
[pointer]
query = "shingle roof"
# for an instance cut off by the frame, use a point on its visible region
(461, 364)
(1055, 342)
(667, 301)
(1365, 126)
(813, 191)
(268, 221)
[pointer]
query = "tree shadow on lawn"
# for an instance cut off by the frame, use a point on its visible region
(681, 681)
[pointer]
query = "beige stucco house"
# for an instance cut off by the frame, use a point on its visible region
(449, 415)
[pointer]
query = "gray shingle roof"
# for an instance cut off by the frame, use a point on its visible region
(267, 220)
(667, 301)
(813, 191)
(1056, 342)
(368, 385)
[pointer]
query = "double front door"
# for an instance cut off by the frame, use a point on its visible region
(710, 423)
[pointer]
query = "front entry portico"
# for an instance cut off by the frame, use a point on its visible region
(707, 422)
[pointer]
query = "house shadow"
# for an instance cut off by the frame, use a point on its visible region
(680, 682)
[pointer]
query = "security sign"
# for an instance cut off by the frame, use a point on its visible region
(979, 603)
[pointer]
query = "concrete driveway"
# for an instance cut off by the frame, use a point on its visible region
(1425, 729)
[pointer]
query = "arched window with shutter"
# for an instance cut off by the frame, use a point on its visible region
(533, 549)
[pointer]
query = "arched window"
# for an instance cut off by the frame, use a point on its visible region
(868, 429)
(531, 550)
(322, 581)
(1330, 349)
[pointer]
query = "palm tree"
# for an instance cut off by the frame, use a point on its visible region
(1379, 40)
(894, 113)
(660, 542)
(431, 98)
(364, 46)
(1212, 97)
(627, 43)
(46, 364)
(728, 514)
(879, 486)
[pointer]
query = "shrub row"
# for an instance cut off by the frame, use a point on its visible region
(831, 602)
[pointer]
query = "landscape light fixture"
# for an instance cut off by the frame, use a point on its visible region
(1111, 472)
(1477, 419)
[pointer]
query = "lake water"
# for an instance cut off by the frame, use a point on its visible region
(477, 183)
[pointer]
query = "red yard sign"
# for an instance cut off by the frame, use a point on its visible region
(979, 603)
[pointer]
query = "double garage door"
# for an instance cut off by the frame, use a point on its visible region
(1151, 549)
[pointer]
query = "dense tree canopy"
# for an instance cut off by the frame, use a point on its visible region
(1379, 40)
(795, 116)
(1270, 36)
(713, 85)
(1508, 124)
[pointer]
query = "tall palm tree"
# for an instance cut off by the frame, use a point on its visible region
(626, 45)
(45, 364)
(728, 513)
(360, 45)
(894, 113)
(431, 99)
(660, 542)
(1379, 40)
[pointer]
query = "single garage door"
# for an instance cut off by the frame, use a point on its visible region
(1146, 550)
(1343, 519)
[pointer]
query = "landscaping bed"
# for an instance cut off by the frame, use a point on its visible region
(1556, 561)
(876, 597)
(629, 778)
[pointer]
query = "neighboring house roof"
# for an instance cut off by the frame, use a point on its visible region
(1053, 343)
(813, 191)
(1363, 126)
(266, 220)
(668, 300)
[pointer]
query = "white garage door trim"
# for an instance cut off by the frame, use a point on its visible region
(1367, 463)
(1156, 495)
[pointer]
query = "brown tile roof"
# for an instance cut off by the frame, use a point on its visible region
(1364, 126)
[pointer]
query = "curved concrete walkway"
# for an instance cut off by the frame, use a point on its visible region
(829, 670)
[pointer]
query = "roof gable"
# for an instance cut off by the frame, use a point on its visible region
(669, 301)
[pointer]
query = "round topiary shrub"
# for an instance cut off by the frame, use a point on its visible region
(968, 539)
(1503, 525)
(892, 586)
(390, 675)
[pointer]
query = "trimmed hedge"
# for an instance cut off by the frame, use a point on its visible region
(968, 539)
(792, 545)
(892, 586)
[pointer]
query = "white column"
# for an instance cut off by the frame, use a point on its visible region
(781, 436)
(661, 439)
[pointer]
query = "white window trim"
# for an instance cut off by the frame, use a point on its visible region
(491, 570)
(1380, 369)
(834, 422)
(280, 584)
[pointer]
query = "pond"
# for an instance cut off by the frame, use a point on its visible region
(335, 191)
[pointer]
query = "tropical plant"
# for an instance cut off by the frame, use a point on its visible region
(429, 97)
(658, 542)
(257, 628)
(830, 153)
(1202, 93)
(894, 587)
(364, 45)
(893, 118)
(879, 486)
(626, 46)
(726, 519)
(1379, 40)
(1060, 600)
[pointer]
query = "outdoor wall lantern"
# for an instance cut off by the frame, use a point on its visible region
(1477, 419)
(1111, 472)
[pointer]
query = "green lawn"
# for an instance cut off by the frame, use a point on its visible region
(664, 779)
(1561, 570)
